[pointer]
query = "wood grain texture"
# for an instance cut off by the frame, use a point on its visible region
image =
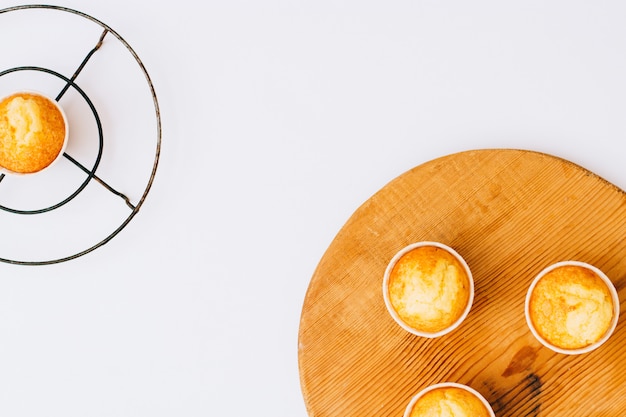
(509, 213)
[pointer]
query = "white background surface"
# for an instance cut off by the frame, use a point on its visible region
(279, 119)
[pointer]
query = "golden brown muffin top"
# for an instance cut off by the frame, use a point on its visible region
(429, 288)
(449, 402)
(32, 132)
(571, 307)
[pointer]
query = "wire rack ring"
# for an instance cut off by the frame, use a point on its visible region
(90, 173)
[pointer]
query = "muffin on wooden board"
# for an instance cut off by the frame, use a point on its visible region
(428, 287)
(448, 400)
(571, 307)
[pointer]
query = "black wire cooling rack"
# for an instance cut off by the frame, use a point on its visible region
(90, 172)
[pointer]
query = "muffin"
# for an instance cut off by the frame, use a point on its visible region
(33, 131)
(449, 400)
(572, 306)
(428, 288)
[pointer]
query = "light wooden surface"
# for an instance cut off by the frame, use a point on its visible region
(509, 213)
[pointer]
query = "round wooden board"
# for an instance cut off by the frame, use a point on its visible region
(509, 213)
